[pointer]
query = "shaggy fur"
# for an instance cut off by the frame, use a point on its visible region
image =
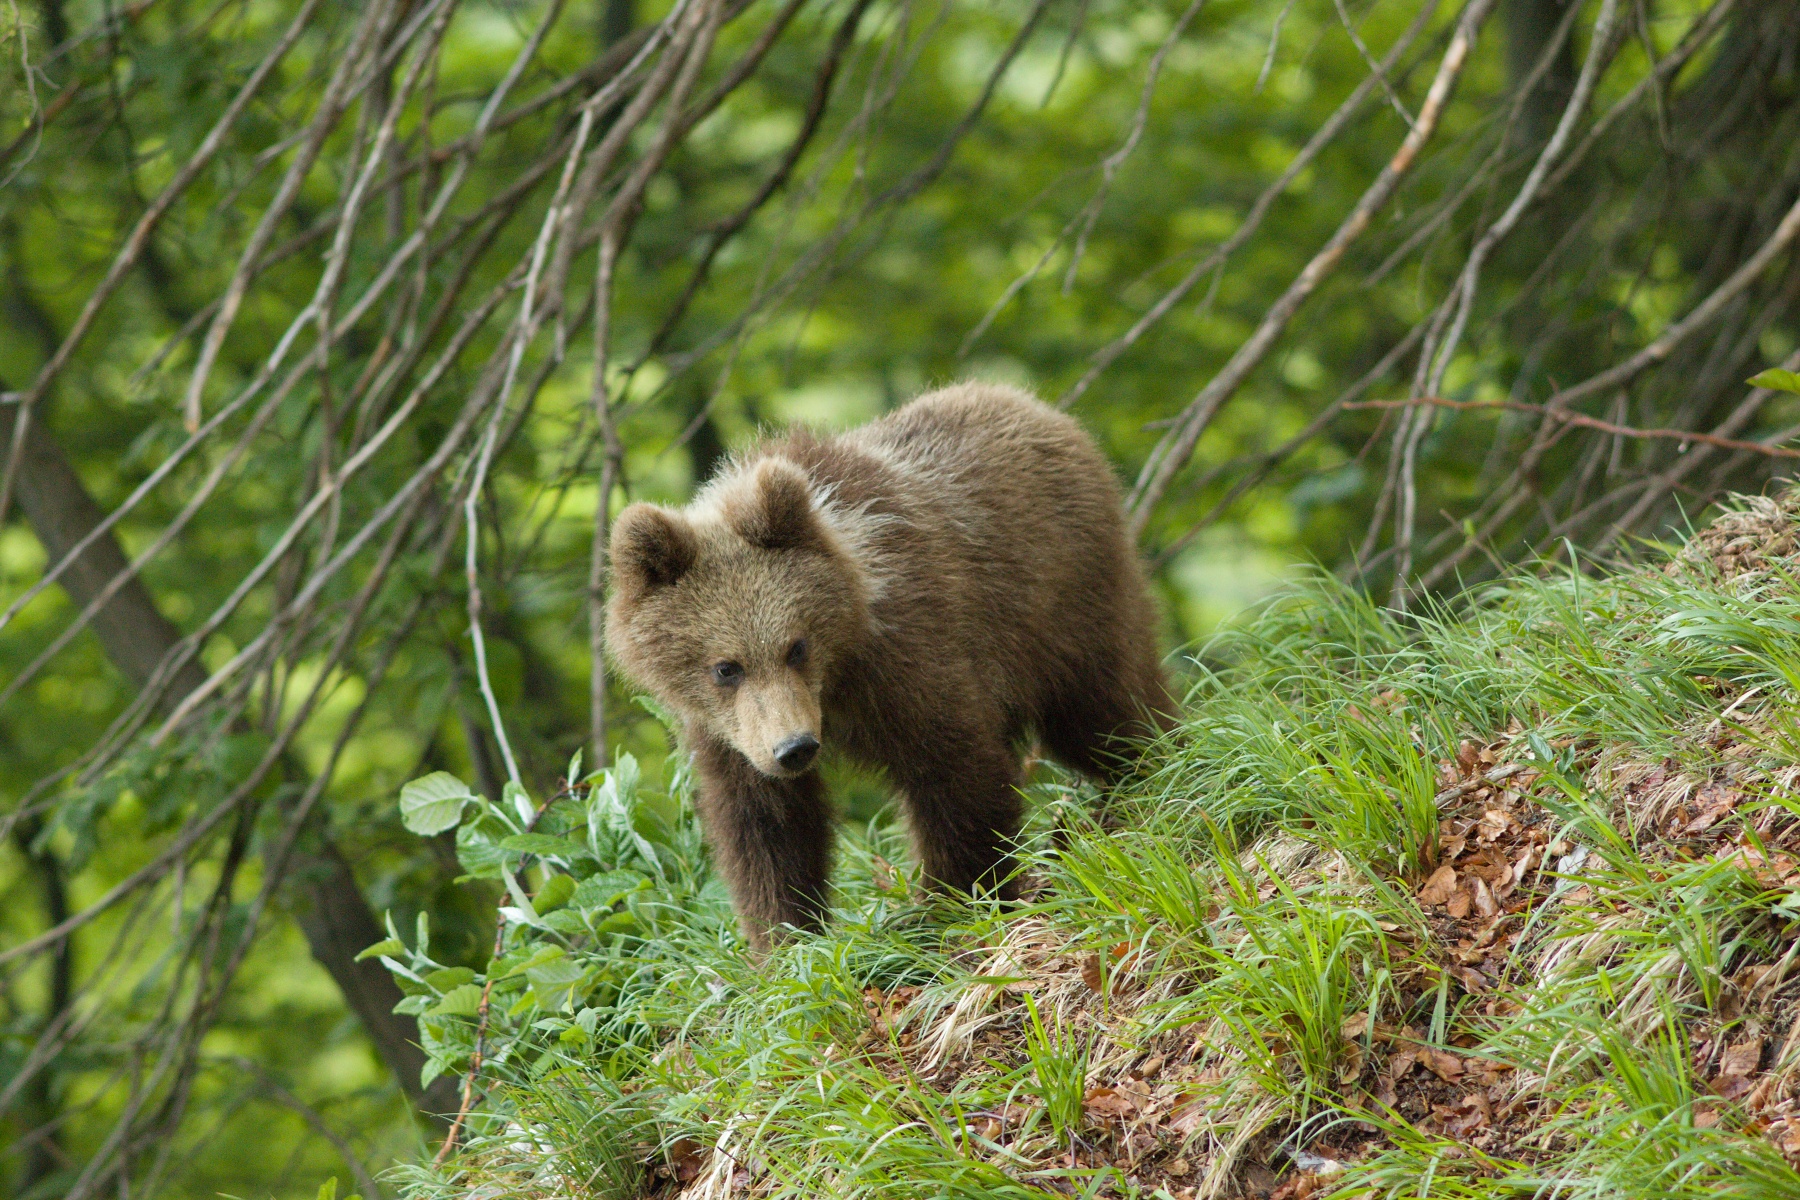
(922, 594)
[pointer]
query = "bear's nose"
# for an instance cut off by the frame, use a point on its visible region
(797, 752)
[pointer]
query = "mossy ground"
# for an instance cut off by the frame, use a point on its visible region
(1500, 900)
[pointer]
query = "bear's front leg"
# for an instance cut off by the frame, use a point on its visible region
(771, 840)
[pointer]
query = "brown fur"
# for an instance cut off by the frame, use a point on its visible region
(960, 576)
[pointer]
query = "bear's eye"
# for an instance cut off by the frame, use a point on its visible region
(796, 657)
(727, 674)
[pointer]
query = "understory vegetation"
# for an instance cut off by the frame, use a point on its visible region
(1494, 901)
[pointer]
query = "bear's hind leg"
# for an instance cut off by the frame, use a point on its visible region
(1089, 726)
(964, 815)
(771, 840)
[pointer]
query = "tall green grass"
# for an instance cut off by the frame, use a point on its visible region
(1252, 890)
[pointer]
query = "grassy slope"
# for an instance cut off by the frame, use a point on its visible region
(1483, 905)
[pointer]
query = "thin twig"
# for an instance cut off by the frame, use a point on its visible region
(1563, 416)
(1175, 448)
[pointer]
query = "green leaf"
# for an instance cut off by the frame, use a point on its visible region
(478, 847)
(1777, 380)
(449, 977)
(663, 716)
(385, 947)
(433, 803)
(619, 922)
(565, 921)
(544, 845)
(521, 803)
(554, 894)
(328, 1189)
(607, 888)
(462, 1001)
(555, 982)
(542, 955)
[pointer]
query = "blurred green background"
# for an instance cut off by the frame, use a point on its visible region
(288, 1083)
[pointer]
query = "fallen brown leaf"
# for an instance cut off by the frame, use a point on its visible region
(1108, 1102)
(1442, 1063)
(1485, 904)
(1715, 802)
(1742, 1058)
(1439, 888)
(1472, 980)
(1092, 975)
(686, 1157)
(1494, 824)
(1459, 905)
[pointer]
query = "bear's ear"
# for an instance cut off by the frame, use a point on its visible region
(651, 547)
(777, 513)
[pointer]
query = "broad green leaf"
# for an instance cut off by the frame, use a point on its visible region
(478, 847)
(434, 803)
(463, 1001)
(1777, 380)
(554, 894)
(449, 977)
(619, 922)
(664, 717)
(607, 888)
(387, 946)
(555, 982)
(542, 955)
(566, 921)
(627, 774)
(544, 844)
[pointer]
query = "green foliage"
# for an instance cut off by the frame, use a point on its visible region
(1776, 379)
(1243, 891)
(1322, 713)
(616, 864)
(1059, 1064)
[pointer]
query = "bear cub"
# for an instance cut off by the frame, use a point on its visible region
(922, 594)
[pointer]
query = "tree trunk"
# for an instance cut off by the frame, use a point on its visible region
(328, 904)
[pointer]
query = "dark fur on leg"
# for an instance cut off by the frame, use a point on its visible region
(771, 840)
(964, 820)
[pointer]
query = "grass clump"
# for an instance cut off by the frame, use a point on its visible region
(1498, 900)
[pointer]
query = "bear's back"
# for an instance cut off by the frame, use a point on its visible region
(1014, 555)
(1010, 477)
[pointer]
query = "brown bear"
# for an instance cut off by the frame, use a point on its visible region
(922, 594)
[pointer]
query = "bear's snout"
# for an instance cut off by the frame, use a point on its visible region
(796, 753)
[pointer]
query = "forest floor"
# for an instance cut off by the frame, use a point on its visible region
(1501, 900)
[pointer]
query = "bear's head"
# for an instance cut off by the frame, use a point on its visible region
(734, 611)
